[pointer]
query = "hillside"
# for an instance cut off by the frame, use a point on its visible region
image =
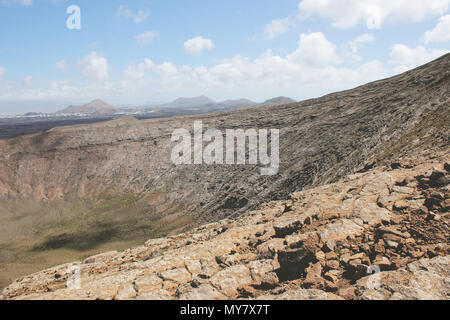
(240, 103)
(277, 101)
(97, 107)
(195, 102)
(318, 244)
(80, 190)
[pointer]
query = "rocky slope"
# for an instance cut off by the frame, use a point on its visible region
(79, 190)
(321, 140)
(321, 243)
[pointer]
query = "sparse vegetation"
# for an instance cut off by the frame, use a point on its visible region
(49, 234)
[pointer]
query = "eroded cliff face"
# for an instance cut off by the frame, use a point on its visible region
(321, 140)
(76, 191)
(320, 243)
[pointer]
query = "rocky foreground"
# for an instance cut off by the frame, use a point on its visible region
(322, 243)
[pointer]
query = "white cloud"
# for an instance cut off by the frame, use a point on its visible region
(61, 65)
(146, 37)
(277, 27)
(196, 46)
(166, 69)
(442, 31)
(406, 58)
(2, 73)
(314, 49)
(357, 43)
(138, 72)
(58, 84)
(349, 13)
(311, 68)
(309, 71)
(20, 2)
(95, 67)
(27, 80)
(138, 17)
(272, 74)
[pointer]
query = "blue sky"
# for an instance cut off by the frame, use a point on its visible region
(135, 52)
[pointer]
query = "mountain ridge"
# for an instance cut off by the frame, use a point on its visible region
(101, 108)
(199, 101)
(278, 101)
(112, 185)
(204, 101)
(97, 107)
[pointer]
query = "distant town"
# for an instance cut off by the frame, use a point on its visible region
(180, 106)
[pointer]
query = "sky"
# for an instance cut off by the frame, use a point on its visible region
(143, 51)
